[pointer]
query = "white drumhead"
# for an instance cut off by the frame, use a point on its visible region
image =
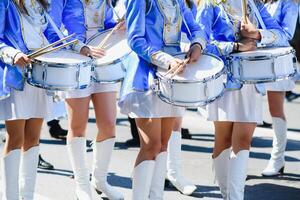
(264, 52)
(205, 67)
(63, 57)
(116, 46)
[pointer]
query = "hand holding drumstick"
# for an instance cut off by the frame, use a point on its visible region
(177, 66)
(99, 51)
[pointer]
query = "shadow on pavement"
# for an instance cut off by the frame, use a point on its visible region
(119, 181)
(271, 192)
(187, 147)
(285, 177)
(203, 137)
(262, 142)
(266, 156)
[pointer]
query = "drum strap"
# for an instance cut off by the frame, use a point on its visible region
(254, 8)
(184, 21)
(55, 28)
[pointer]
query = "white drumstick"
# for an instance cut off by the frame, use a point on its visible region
(244, 8)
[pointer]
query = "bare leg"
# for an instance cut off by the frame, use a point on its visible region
(33, 129)
(223, 134)
(106, 111)
(15, 135)
(78, 112)
(150, 137)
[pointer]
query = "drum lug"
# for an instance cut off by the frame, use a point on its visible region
(206, 94)
(44, 73)
(77, 75)
(273, 67)
(241, 70)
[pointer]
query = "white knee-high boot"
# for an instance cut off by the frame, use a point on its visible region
(276, 162)
(158, 179)
(142, 177)
(10, 175)
(77, 154)
(102, 156)
(221, 164)
(174, 174)
(28, 172)
(237, 175)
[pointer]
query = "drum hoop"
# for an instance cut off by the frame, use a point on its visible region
(112, 62)
(4, 97)
(237, 56)
(106, 63)
(55, 87)
(268, 80)
(96, 35)
(107, 82)
(61, 65)
(203, 80)
(191, 104)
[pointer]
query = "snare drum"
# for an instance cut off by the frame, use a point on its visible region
(263, 65)
(200, 84)
(61, 71)
(110, 68)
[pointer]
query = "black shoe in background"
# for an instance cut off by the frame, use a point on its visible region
(185, 133)
(265, 125)
(56, 131)
(291, 96)
(44, 164)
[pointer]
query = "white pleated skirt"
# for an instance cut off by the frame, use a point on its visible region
(148, 105)
(32, 102)
(93, 89)
(280, 86)
(244, 105)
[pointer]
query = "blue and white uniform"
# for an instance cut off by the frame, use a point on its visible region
(221, 20)
(154, 34)
(22, 33)
(284, 12)
(92, 17)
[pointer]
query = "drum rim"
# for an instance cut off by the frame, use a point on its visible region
(190, 105)
(56, 88)
(234, 56)
(65, 65)
(267, 80)
(203, 80)
(111, 62)
(4, 97)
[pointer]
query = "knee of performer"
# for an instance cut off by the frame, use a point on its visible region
(31, 140)
(77, 130)
(243, 144)
(15, 142)
(152, 149)
(108, 128)
(275, 111)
